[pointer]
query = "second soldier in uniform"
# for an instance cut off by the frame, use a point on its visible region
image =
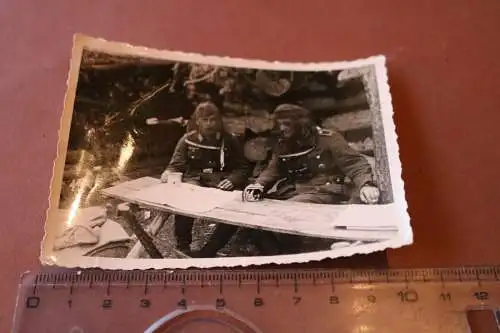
(316, 162)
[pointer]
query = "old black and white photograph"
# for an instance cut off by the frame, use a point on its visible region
(175, 160)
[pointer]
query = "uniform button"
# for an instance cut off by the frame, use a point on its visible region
(318, 157)
(328, 183)
(321, 166)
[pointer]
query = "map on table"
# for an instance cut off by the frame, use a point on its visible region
(186, 197)
(328, 221)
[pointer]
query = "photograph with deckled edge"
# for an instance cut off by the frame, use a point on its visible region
(177, 160)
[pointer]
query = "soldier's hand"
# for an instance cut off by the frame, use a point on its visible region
(369, 194)
(164, 176)
(225, 185)
(253, 192)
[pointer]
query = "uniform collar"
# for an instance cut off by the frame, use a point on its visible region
(197, 140)
(297, 147)
(297, 154)
(201, 138)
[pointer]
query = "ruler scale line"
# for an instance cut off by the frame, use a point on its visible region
(146, 286)
(479, 283)
(35, 284)
(54, 281)
(165, 280)
(108, 286)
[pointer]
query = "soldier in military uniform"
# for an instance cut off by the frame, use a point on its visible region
(207, 157)
(316, 161)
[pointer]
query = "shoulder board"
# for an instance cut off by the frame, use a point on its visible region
(233, 137)
(325, 132)
(191, 136)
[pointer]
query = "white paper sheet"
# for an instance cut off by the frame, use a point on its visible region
(187, 197)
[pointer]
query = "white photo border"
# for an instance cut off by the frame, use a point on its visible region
(397, 210)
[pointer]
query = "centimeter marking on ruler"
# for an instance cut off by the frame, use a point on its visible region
(220, 278)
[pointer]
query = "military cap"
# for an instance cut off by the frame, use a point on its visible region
(291, 111)
(206, 109)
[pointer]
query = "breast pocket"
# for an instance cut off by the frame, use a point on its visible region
(295, 167)
(319, 162)
(205, 160)
(195, 157)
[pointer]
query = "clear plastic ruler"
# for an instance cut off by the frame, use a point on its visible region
(339, 300)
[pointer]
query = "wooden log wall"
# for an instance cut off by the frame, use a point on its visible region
(350, 114)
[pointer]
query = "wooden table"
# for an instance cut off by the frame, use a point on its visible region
(313, 220)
